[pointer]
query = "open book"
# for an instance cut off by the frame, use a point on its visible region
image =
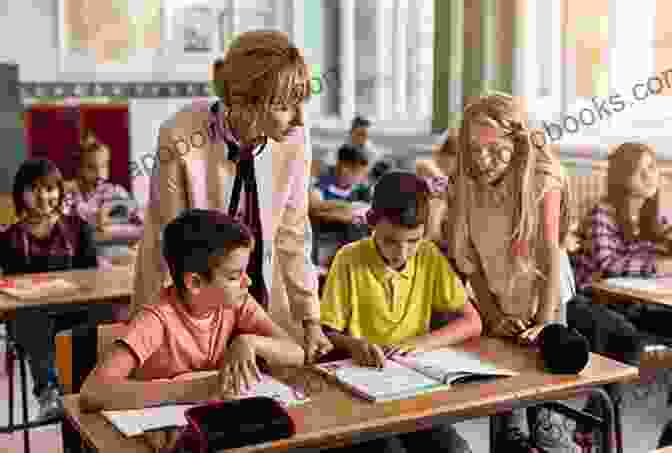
(36, 287)
(137, 421)
(404, 377)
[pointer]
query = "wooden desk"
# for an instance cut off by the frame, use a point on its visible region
(608, 294)
(113, 285)
(119, 234)
(334, 416)
(98, 285)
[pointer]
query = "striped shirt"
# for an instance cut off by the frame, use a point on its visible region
(607, 253)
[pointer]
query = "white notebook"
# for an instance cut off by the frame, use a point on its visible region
(137, 421)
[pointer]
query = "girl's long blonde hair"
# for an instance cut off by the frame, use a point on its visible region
(623, 163)
(501, 111)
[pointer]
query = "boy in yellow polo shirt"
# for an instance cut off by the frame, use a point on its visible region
(381, 292)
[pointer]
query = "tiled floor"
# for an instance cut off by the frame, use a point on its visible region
(643, 419)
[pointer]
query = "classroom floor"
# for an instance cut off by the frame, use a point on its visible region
(643, 418)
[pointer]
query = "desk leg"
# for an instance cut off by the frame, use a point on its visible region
(11, 357)
(24, 397)
(495, 428)
(617, 398)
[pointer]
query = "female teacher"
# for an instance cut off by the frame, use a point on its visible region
(244, 154)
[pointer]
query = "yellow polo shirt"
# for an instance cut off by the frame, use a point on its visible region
(365, 298)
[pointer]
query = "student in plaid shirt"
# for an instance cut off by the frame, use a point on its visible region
(622, 237)
(91, 194)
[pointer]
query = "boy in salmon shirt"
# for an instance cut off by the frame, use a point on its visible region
(381, 293)
(192, 327)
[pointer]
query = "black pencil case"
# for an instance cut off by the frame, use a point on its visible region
(236, 423)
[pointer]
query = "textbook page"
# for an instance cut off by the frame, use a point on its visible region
(136, 421)
(394, 381)
(446, 365)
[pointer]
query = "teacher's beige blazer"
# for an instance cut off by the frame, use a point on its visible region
(192, 171)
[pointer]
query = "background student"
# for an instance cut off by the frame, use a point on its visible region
(382, 291)
(439, 172)
(45, 240)
(622, 236)
(207, 321)
(255, 131)
(101, 203)
(359, 136)
(508, 222)
(339, 200)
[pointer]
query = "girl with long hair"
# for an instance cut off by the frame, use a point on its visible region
(508, 221)
(624, 235)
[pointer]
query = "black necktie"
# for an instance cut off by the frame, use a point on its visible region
(245, 175)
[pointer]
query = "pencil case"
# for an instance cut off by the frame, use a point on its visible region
(231, 424)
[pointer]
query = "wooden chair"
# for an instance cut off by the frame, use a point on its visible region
(77, 351)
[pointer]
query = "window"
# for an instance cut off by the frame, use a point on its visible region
(383, 66)
(545, 30)
(156, 39)
(615, 55)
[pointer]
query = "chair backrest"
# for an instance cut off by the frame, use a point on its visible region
(7, 210)
(78, 350)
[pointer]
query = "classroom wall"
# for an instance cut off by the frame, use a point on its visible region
(11, 130)
(145, 118)
(30, 38)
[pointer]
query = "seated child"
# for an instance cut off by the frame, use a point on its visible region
(107, 206)
(439, 172)
(358, 136)
(382, 291)
(339, 200)
(346, 183)
(206, 321)
(623, 235)
(44, 240)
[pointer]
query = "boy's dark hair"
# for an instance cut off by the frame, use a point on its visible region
(354, 154)
(32, 172)
(196, 236)
(360, 121)
(400, 197)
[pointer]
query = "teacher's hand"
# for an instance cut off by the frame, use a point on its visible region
(316, 342)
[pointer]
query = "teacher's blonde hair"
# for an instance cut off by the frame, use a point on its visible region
(262, 68)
